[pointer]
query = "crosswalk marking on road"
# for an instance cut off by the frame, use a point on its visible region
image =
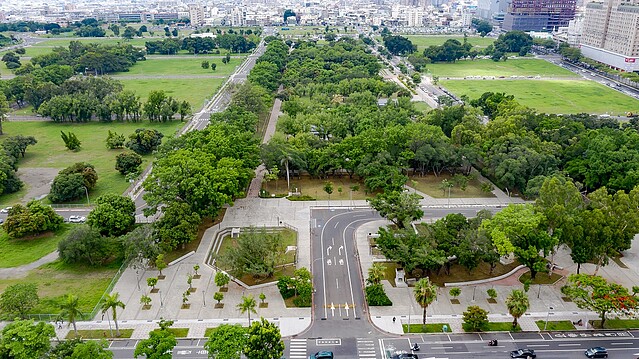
(297, 349)
(366, 348)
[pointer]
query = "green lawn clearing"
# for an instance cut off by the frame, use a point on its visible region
(50, 151)
(514, 67)
(191, 66)
(428, 328)
(313, 187)
(424, 41)
(552, 96)
(430, 185)
(56, 280)
(540, 278)
(17, 252)
(195, 91)
(100, 333)
(495, 327)
(179, 332)
(617, 323)
(555, 325)
(96, 40)
(289, 238)
(422, 106)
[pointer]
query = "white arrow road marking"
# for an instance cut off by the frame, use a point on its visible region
(346, 307)
(340, 250)
(332, 309)
(328, 250)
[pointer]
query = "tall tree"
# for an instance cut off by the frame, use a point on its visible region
(112, 215)
(226, 342)
(4, 110)
(25, 339)
(596, 294)
(71, 311)
(264, 341)
(247, 305)
(159, 345)
(517, 304)
(92, 349)
(113, 302)
(401, 208)
(18, 299)
(425, 293)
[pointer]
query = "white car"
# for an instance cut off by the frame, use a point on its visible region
(5, 210)
(77, 219)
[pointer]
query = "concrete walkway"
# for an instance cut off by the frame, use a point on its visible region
(23, 270)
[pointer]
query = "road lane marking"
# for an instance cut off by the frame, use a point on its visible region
(621, 343)
(568, 344)
(538, 345)
(337, 282)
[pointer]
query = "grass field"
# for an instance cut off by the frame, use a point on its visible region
(289, 238)
(315, 188)
(552, 96)
(50, 151)
(17, 252)
(97, 40)
(424, 41)
(99, 333)
(195, 91)
(485, 67)
(430, 186)
(428, 328)
(421, 106)
(168, 66)
(557, 325)
(617, 323)
(55, 280)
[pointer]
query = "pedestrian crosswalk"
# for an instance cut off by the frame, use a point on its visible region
(297, 349)
(366, 348)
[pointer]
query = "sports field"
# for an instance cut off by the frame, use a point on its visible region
(552, 96)
(486, 67)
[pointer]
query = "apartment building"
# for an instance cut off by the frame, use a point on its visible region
(539, 15)
(611, 33)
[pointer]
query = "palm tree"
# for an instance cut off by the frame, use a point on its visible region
(517, 304)
(71, 310)
(247, 305)
(376, 273)
(425, 293)
(112, 301)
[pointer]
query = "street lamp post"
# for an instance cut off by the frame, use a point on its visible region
(547, 316)
(204, 297)
(160, 294)
(86, 191)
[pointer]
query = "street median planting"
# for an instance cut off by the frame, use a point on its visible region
(425, 328)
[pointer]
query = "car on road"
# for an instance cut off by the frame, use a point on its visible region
(322, 355)
(77, 219)
(5, 210)
(523, 353)
(597, 352)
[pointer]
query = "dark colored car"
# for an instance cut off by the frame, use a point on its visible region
(322, 355)
(597, 352)
(523, 353)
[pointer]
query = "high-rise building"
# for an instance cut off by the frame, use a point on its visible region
(492, 10)
(611, 33)
(196, 14)
(539, 15)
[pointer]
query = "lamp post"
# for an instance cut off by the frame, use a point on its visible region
(137, 278)
(160, 294)
(86, 191)
(547, 316)
(204, 297)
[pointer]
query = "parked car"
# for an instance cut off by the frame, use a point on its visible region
(597, 352)
(523, 353)
(77, 219)
(322, 355)
(5, 210)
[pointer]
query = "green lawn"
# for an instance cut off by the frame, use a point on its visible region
(428, 328)
(556, 325)
(424, 41)
(100, 334)
(540, 278)
(50, 151)
(514, 67)
(17, 252)
(179, 332)
(496, 327)
(195, 91)
(34, 50)
(97, 40)
(289, 238)
(315, 188)
(4, 71)
(552, 96)
(422, 106)
(168, 66)
(55, 280)
(429, 185)
(617, 323)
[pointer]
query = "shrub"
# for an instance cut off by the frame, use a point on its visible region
(475, 319)
(376, 296)
(85, 245)
(34, 218)
(286, 286)
(128, 162)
